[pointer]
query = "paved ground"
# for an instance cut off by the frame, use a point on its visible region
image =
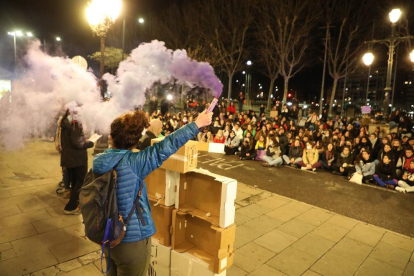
(276, 235)
(368, 203)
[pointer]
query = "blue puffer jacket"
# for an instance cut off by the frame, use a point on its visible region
(132, 168)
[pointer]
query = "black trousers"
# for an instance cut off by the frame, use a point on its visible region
(75, 176)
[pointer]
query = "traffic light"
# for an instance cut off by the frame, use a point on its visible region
(289, 95)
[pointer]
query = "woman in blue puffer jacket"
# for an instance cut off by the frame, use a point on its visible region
(132, 256)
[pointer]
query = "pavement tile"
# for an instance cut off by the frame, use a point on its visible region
(248, 189)
(372, 267)
(398, 241)
(5, 202)
(265, 270)
(71, 265)
(73, 249)
(4, 194)
(313, 245)
(255, 198)
(25, 191)
(244, 235)
(240, 196)
(273, 202)
(50, 271)
(253, 211)
(283, 213)
(24, 218)
(263, 224)
(343, 221)
(57, 210)
(251, 256)
(409, 271)
(296, 228)
(330, 231)
(241, 219)
(365, 234)
(7, 254)
(8, 234)
(310, 273)
(292, 261)
(62, 221)
(27, 263)
(9, 211)
(5, 246)
(345, 257)
(275, 240)
(298, 206)
(391, 255)
(412, 258)
(39, 242)
(89, 270)
(76, 230)
(315, 216)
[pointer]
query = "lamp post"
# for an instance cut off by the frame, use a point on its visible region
(101, 15)
(391, 42)
(19, 34)
(368, 59)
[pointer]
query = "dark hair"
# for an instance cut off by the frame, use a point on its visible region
(127, 129)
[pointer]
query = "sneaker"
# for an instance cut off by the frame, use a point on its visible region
(61, 190)
(265, 165)
(400, 189)
(72, 212)
(303, 168)
(61, 184)
(66, 194)
(390, 186)
(314, 169)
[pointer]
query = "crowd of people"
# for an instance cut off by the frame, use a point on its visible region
(302, 139)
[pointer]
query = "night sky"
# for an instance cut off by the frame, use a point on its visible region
(47, 19)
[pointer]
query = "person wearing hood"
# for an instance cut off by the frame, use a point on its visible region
(153, 131)
(406, 185)
(344, 162)
(74, 157)
(131, 257)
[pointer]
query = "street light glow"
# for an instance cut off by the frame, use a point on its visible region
(29, 34)
(244, 72)
(368, 58)
(18, 33)
(395, 15)
(412, 56)
(141, 20)
(100, 11)
(58, 38)
(169, 97)
(249, 62)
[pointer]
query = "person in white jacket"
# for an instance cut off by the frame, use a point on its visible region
(238, 131)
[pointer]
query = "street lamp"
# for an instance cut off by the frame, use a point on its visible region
(14, 34)
(249, 62)
(391, 42)
(101, 15)
(412, 56)
(141, 20)
(29, 34)
(58, 39)
(368, 58)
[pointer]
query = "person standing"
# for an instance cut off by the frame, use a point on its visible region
(74, 157)
(241, 101)
(165, 105)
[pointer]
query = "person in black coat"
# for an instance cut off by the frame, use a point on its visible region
(385, 174)
(152, 105)
(74, 157)
(165, 105)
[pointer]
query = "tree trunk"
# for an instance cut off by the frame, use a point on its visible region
(332, 100)
(285, 89)
(230, 87)
(269, 99)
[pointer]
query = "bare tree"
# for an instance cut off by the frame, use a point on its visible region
(223, 27)
(346, 39)
(285, 27)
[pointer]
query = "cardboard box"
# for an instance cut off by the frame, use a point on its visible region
(161, 184)
(162, 216)
(274, 113)
(208, 196)
(203, 240)
(184, 160)
(211, 147)
(186, 264)
(160, 264)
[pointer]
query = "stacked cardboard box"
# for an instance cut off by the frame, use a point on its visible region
(193, 211)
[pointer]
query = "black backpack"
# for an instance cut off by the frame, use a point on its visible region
(98, 204)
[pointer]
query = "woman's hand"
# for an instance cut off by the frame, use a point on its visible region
(204, 119)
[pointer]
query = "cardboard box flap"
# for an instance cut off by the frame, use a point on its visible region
(162, 216)
(161, 186)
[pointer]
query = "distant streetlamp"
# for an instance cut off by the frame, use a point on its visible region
(368, 58)
(141, 20)
(58, 39)
(101, 15)
(391, 42)
(19, 34)
(249, 63)
(412, 56)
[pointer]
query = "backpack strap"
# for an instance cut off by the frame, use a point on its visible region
(136, 207)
